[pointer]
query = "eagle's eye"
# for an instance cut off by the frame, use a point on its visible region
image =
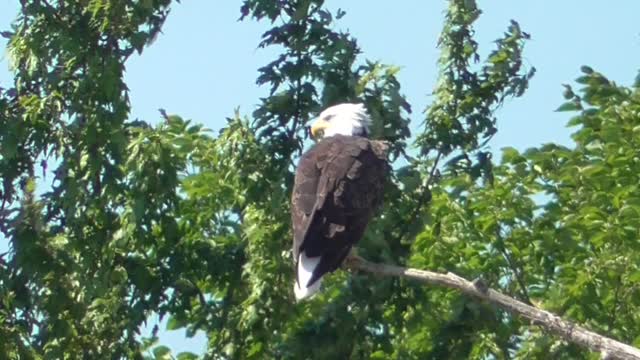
(329, 117)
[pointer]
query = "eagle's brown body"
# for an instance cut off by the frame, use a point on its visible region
(339, 184)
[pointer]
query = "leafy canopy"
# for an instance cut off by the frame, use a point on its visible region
(110, 220)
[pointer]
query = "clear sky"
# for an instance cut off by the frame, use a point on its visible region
(204, 65)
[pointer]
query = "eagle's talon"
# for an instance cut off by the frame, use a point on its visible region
(481, 285)
(352, 259)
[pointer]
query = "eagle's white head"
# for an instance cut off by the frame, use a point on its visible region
(343, 119)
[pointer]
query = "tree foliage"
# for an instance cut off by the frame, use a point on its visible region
(110, 220)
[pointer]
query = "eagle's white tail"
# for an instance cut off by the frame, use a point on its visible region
(306, 265)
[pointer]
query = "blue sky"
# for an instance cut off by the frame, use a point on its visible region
(204, 65)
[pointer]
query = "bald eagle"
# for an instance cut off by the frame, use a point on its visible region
(339, 184)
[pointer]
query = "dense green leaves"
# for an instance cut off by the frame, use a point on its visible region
(558, 227)
(110, 220)
(88, 199)
(465, 97)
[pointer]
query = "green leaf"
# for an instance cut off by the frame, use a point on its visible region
(510, 154)
(186, 356)
(379, 355)
(176, 322)
(162, 352)
(586, 69)
(569, 106)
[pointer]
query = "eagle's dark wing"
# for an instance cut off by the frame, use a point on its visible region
(339, 184)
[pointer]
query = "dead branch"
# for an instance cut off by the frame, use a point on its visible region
(609, 348)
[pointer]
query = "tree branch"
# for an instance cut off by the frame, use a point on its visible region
(425, 197)
(516, 268)
(609, 348)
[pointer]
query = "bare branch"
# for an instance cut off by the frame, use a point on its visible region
(425, 197)
(515, 267)
(609, 348)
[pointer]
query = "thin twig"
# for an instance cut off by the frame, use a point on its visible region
(517, 270)
(609, 348)
(433, 169)
(422, 200)
(518, 275)
(616, 303)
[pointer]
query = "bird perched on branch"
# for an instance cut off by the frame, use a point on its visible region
(339, 184)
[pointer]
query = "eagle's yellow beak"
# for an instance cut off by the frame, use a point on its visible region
(318, 128)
